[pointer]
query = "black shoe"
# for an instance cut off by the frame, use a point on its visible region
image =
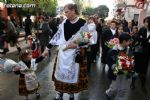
(71, 98)
(132, 86)
(144, 90)
(103, 66)
(38, 95)
(107, 97)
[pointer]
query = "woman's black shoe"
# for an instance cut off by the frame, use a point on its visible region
(38, 95)
(71, 98)
(132, 86)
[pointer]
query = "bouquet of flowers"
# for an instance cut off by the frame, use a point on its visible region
(81, 38)
(112, 42)
(124, 63)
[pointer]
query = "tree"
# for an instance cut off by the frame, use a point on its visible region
(88, 11)
(79, 4)
(41, 6)
(102, 11)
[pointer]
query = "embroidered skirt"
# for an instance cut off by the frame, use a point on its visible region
(22, 87)
(71, 88)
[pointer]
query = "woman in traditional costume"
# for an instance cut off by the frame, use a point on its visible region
(70, 71)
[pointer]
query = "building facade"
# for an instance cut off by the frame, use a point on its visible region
(132, 10)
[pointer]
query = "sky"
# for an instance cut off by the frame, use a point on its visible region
(95, 3)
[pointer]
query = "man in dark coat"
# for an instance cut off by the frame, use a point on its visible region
(142, 55)
(28, 26)
(107, 34)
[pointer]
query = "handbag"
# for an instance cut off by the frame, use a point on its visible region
(138, 48)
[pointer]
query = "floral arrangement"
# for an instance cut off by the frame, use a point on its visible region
(124, 63)
(81, 38)
(112, 42)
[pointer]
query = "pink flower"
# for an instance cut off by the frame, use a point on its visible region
(112, 42)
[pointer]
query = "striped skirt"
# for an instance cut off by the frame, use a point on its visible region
(22, 88)
(71, 88)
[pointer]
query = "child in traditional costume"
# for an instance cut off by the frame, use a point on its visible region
(28, 83)
(34, 45)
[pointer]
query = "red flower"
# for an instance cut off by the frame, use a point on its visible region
(89, 35)
(124, 65)
(123, 54)
(122, 60)
(126, 62)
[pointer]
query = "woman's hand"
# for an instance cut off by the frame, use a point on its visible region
(72, 46)
(45, 53)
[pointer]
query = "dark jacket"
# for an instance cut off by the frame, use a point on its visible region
(111, 60)
(106, 36)
(44, 36)
(128, 30)
(145, 41)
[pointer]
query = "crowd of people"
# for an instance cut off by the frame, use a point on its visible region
(79, 42)
(43, 27)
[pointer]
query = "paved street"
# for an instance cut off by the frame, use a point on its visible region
(98, 82)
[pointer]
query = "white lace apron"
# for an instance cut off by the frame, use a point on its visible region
(31, 81)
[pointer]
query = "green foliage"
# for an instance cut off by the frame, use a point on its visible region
(79, 4)
(88, 11)
(41, 6)
(48, 7)
(102, 11)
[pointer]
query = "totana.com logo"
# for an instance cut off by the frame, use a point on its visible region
(27, 1)
(20, 5)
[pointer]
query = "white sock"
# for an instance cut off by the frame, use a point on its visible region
(71, 95)
(26, 97)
